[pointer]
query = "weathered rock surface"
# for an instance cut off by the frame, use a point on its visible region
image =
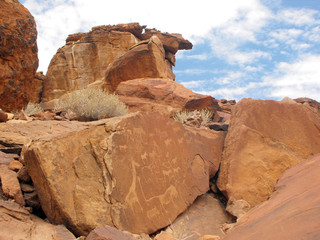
(292, 212)
(84, 59)
(137, 172)
(18, 56)
(204, 217)
(17, 223)
(86, 56)
(144, 60)
(3, 116)
(10, 184)
(310, 102)
(162, 95)
(108, 233)
(264, 139)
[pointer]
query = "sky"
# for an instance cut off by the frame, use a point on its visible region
(261, 49)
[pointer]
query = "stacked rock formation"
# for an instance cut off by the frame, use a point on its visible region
(94, 58)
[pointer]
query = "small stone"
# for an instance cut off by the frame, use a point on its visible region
(26, 188)
(214, 188)
(227, 226)
(32, 200)
(15, 165)
(237, 208)
(3, 116)
(23, 175)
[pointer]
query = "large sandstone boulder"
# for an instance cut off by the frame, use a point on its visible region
(292, 212)
(18, 56)
(162, 95)
(144, 60)
(84, 59)
(264, 139)
(136, 173)
(17, 223)
(86, 56)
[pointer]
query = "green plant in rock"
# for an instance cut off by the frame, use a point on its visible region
(92, 104)
(32, 108)
(204, 114)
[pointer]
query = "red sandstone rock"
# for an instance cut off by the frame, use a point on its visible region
(144, 60)
(204, 217)
(264, 139)
(84, 59)
(162, 95)
(15, 165)
(108, 233)
(292, 212)
(18, 56)
(10, 184)
(3, 116)
(165, 236)
(17, 223)
(137, 172)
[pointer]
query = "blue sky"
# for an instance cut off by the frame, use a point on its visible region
(259, 49)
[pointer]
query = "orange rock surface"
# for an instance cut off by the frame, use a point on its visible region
(264, 139)
(18, 56)
(292, 212)
(137, 172)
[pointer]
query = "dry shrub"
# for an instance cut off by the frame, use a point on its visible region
(181, 116)
(206, 116)
(32, 108)
(92, 104)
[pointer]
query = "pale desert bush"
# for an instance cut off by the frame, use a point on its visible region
(32, 108)
(92, 104)
(182, 116)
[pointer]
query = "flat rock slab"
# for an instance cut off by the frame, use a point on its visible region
(292, 212)
(136, 173)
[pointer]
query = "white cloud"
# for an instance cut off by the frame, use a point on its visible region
(298, 16)
(298, 79)
(57, 19)
(193, 84)
(231, 77)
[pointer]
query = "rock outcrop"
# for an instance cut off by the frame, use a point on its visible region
(162, 95)
(264, 139)
(292, 212)
(108, 233)
(18, 56)
(85, 58)
(17, 223)
(137, 172)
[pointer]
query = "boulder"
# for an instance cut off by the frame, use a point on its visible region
(292, 212)
(204, 217)
(84, 59)
(136, 172)
(17, 223)
(165, 236)
(10, 184)
(264, 139)
(3, 116)
(108, 233)
(18, 56)
(162, 95)
(144, 60)
(310, 102)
